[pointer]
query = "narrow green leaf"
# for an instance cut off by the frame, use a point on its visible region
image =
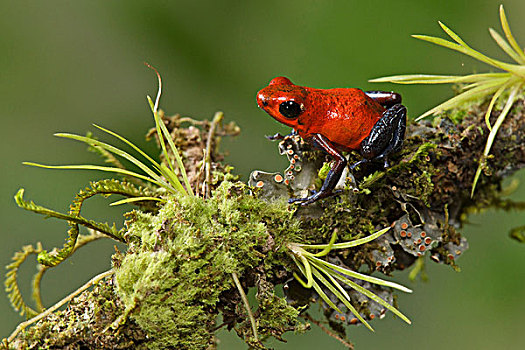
(501, 118)
(358, 275)
(303, 268)
(329, 245)
(123, 139)
(469, 52)
(172, 178)
(177, 155)
(308, 271)
(160, 134)
(360, 241)
(479, 91)
(438, 79)
(168, 173)
(151, 104)
(136, 199)
(153, 108)
(340, 293)
(160, 125)
(491, 104)
(372, 296)
(451, 34)
(119, 152)
(493, 133)
(326, 299)
(506, 29)
(506, 47)
(348, 244)
(300, 280)
(503, 78)
(99, 168)
(417, 79)
(316, 287)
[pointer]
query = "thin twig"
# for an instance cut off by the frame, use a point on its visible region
(329, 332)
(53, 308)
(217, 118)
(191, 120)
(246, 305)
(37, 278)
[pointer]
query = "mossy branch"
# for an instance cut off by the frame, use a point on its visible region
(6, 342)
(175, 278)
(187, 252)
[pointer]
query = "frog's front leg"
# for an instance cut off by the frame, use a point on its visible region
(333, 176)
(278, 136)
(386, 136)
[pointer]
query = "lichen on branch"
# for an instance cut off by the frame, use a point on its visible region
(173, 287)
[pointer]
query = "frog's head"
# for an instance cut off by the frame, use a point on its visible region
(283, 100)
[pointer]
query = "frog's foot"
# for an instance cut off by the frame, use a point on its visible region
(383, 158)
(278, 136)
(314, 197)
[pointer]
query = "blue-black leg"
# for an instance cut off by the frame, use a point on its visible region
(386, 136)
(333, 176)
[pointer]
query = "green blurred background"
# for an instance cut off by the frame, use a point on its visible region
(65, 65)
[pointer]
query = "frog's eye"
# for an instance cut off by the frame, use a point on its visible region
(290, 109)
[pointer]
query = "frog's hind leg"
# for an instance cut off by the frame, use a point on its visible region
(386, 136)
(327, 189)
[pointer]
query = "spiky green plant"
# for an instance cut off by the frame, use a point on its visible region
(156, 173)
(329, 274)
(478, 86)
(164, 176)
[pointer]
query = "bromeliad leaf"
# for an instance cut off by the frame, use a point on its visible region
(158, 174)
(328, 274)
(508, 83)
(163, 132)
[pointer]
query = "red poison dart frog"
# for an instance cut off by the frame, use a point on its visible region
(336, 121)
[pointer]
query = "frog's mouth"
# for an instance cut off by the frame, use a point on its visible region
(262, 100)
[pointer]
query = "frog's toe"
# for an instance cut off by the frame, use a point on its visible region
(274, 137)
(384, 159)
(295, 200)
(303, 201)
(314, 197)
(353, 166)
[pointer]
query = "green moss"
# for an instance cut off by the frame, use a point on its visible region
(422, 186)
(276, 313)
(83, 325)
(195, 242)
